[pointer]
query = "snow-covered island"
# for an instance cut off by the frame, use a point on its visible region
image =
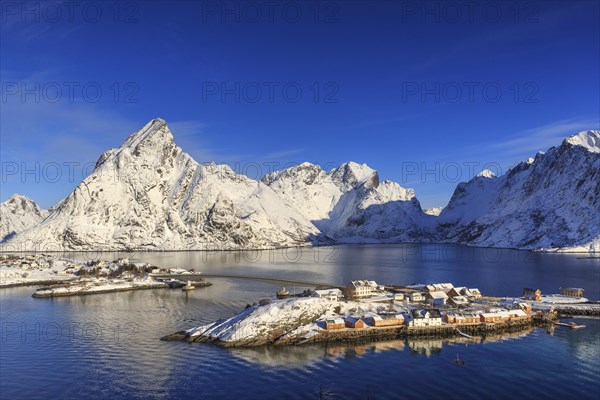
(67, 277)
(371, 311)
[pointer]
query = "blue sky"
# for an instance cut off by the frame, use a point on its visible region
(427, 93)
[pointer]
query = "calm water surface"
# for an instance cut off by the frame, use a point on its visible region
(107, 345)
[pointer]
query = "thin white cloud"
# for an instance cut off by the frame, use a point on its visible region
(277, 155)
(541, 138)
(187, 128)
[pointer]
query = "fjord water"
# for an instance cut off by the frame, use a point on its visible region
(107, 345)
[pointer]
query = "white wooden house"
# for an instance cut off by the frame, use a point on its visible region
(329, 294)
(425, 318)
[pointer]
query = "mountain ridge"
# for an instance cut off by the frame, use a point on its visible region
(149, 194)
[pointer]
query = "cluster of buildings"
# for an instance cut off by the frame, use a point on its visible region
(412, 318)
(383, 320)
(488, 316)
(439, 294)
(442, 304)
(428, 318)
(442, 294)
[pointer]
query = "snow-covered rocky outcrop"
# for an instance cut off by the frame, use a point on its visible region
(149, 194)
(550, 202)
(279, 322)
(17, 214)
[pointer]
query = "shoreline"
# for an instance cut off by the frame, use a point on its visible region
(42, 282)
(158, 285)
(477, 331)
(559, 251)
(80, 290)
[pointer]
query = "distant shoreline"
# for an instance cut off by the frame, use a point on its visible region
(592, 254)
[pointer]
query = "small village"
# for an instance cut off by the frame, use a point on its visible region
(365, 310)
(442, 304)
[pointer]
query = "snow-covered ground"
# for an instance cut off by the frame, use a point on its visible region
(35, 269)
(100, 285)
(290, 319)
(560, 299)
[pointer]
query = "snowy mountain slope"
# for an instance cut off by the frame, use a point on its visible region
(383, 213)
(313, 191)
(349, 204)
(470, 200)
(550, 202)
(149, 194)
(17, 214)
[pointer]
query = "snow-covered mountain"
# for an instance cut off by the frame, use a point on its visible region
(17, 214)
(551, 201)
(349, 204)
(149, 194)
(315, 192)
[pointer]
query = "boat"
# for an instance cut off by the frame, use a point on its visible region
(283, 293)
(458, 361)
(189, 286)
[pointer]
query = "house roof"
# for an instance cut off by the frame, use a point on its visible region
(353, 319)
(571, 288)
(438, 295)
(335, 321)
(328, 292)
(421, 313)
(518, 313)
(459, 299)
(491, 314)
(363, 283)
